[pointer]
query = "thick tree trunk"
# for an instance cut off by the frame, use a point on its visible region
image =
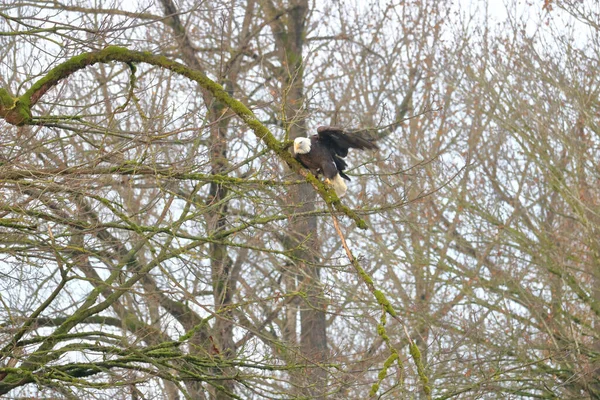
(313, 336)
(289, 33)
(223, 287)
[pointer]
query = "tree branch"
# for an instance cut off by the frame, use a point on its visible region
(18, 111)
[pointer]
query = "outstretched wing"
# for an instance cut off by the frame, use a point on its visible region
(339, 141)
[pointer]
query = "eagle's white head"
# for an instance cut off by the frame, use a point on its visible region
(301, 145)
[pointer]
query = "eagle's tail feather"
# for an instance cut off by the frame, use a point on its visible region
(338, 185)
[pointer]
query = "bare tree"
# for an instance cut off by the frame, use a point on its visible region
(158, 239)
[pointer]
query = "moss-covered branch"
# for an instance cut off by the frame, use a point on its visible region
(17, 111)
(389, 309)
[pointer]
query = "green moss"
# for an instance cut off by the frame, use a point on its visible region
(381, 332)
(388, 363)
(416, 355)
(415, 352)
(364, 275)
(374, 389)
(118, 50)
(16, 377)
(6, 100)
(381, 299)
(383, 373)
(22, 107)
(362, 224)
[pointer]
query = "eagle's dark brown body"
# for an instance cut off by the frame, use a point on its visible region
(319, 160)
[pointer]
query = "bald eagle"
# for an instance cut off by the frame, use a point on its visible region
(324, 153)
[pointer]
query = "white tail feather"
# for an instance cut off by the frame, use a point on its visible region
(338, 185)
